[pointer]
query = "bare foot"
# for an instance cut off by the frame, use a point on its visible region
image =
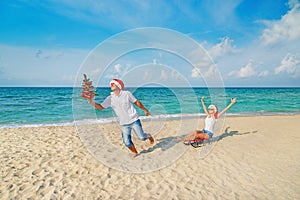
(135, 155)
(150, 139)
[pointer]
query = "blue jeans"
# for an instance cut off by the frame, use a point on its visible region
(208, 133)
(138, 130)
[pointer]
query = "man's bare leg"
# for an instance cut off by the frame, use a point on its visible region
(150, 139)
(133, 150)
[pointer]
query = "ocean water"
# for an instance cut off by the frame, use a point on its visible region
(45, 106)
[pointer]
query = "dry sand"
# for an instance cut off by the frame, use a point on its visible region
(256, 158)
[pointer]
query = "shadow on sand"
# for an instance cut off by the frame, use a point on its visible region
(168, 142)
(229, 134)
(163, 143)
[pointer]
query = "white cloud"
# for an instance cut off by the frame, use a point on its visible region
(206, 73)
(118, 68)
(154, 61)
(245, 72)
(264, 73)
(94, 73)
(205, 65)
(211, 72)
(223, 48)
(117, 71)
(147, 75)
(289, 65)
(163, 75)
(175, 74)
(292, 3)
(195, 73)
(202, 62)
(286, 29)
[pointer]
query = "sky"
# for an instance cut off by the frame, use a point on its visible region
(251, 43)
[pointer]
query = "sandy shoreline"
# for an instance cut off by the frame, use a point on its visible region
(258, 157)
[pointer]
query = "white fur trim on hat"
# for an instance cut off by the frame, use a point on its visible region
(213, 107)
(116, 83)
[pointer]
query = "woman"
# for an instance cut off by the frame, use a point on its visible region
(212, 115)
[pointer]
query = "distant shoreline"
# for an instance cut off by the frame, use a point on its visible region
(151, 87)
(60, 106)
(175, 117)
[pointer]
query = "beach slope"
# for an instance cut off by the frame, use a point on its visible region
(256, 157)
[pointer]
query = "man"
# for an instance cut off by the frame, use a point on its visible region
(121, 102)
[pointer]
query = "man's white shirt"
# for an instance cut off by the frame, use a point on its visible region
(122, 106)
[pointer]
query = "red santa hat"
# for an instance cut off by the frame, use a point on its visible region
(216, 110)
(118, 83)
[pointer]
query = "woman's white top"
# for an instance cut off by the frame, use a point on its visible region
(210, 123)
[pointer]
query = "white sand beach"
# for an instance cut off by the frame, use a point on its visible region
(256, 157)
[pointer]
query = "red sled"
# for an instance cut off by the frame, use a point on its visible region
(195, 143)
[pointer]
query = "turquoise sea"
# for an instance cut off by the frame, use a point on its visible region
(58, 106)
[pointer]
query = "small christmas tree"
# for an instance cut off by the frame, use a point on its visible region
(88, 91)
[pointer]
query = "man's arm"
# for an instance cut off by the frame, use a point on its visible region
(141, 106)
(96, 105)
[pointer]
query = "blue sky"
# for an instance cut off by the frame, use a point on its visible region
(252, 43)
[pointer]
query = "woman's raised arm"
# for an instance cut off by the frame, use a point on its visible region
(233, 101)
(204, 106)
